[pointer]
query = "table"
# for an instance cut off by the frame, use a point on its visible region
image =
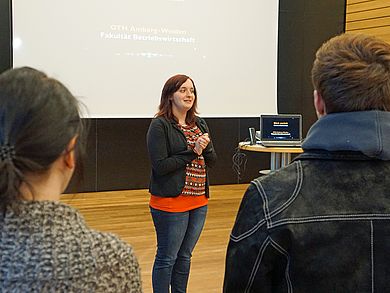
(280, 156)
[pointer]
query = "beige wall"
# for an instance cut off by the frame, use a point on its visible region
(369, 17)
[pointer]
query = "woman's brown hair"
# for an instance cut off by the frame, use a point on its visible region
(172, 85)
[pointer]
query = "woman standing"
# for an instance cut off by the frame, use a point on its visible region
(180, 150)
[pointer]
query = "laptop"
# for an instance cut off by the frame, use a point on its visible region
(282, 130)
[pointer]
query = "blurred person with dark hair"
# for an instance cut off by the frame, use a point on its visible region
(46, 246)
(322, 224)
(181, 151)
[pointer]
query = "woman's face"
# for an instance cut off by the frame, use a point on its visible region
(184, 97)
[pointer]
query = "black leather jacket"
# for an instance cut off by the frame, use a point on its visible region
(322, 224)
(169, 155)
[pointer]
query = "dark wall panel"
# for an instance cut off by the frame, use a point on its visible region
(224, 135)
(5, 35)
(303, 26)
(122, 161)
(87, 181)
(290, 56)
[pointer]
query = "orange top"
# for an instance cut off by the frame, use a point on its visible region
(177, 204)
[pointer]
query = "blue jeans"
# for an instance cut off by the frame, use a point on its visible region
(177, 234)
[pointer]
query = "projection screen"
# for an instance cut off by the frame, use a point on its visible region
(116, 55)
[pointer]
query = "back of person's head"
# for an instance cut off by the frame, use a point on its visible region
(352, 73)
(38, 119)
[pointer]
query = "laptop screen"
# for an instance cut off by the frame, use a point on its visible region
(281, 127)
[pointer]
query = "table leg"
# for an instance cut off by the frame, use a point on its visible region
(286, 159)
(279, 160)
(275, 161)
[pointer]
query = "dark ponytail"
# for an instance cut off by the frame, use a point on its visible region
(38, 118)
(10, 181)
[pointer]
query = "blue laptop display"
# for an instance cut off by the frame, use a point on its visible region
(281, 130)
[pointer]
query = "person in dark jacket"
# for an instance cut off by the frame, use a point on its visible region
(181, 152)
(322, 224)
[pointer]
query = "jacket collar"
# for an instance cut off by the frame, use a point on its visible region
(367, 132)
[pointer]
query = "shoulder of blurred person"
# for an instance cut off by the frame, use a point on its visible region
(50, 247)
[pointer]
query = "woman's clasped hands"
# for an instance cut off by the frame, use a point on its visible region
(201, 143)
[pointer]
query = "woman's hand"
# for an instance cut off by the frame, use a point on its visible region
(201, 143)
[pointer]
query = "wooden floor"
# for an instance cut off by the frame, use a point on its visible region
(126, 213)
